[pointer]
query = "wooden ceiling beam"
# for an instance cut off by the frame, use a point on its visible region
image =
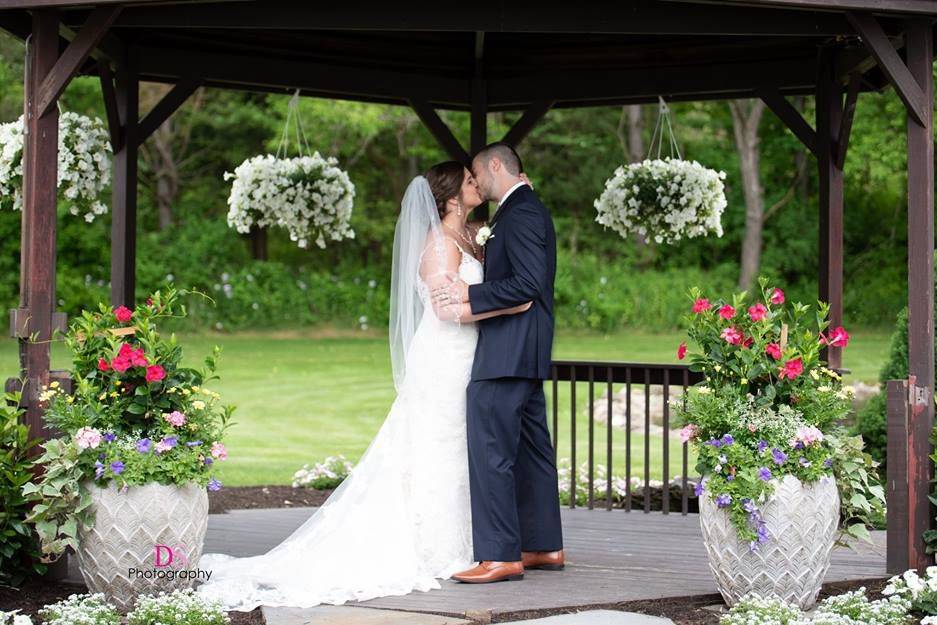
(167, 105)
(634, 17)
(440, 131)
(791, 117)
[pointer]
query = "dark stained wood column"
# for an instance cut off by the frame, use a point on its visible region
(920, 54)
(124, 186)
(36, 315)
(829, 114)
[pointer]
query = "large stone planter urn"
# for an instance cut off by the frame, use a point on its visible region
(144, 540)
(802, 521)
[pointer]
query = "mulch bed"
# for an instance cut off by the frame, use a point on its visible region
(37, 593)
(241, 497)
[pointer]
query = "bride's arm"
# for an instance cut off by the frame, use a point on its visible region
(440, 267)
(465, 312)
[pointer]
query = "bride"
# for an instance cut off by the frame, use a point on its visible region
(401, 520)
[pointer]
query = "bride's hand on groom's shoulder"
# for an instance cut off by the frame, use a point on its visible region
(524, 177)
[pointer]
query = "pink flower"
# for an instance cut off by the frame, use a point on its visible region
(175, 417)
(701, 305)
(123, 314)
(688, 432)
(103, 365)
(120, 364)
(777, 297)
(87, 438)
(748, 342)
(773, 350)
(838, 337)
(808, 435)
(792, 368)
(727, 312)
(681, 351)
(732, 336)
(154, 373)
(757, 312)
(218, 451)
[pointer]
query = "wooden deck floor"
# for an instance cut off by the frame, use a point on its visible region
(611, 557)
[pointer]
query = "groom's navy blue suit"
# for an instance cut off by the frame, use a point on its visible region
(512, 473)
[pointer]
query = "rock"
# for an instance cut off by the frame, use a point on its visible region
(638, 403)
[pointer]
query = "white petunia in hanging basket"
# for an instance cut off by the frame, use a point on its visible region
(664, 199)
(84, 164)
(310, 196)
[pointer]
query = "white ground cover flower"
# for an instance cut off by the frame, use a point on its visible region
(310, 196)
(663, 199)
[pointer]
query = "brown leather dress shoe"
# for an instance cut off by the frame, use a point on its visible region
(488, 571)
(548, 560)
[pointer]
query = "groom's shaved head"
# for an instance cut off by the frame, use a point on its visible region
(504, 153)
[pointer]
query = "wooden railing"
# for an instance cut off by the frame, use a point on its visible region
(610, 374)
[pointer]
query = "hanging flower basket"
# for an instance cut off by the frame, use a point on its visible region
(665, 199)
(309, 195)
(84, 164)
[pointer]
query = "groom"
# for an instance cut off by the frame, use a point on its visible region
(512, 473)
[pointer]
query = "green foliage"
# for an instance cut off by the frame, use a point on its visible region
(19, 548)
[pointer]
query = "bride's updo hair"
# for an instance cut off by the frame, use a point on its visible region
(445, 181)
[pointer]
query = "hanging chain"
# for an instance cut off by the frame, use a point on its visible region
(663, 118)
(293, 114)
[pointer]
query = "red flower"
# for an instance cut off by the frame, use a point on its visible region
(137, 359)
(681, 351)
(727, 312)
(701, 305)
(748, 342)
(123, 314)
(120, 364)
(102, 365)
(149, 301)
(154, 373)
(773, 350)
(838, 337)
(792, 368)
(732, 336)
(777, 297)
(757, 312)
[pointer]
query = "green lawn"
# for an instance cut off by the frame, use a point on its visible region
(303, 396)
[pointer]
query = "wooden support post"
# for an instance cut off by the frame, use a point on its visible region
(124, 187)
(35, 319)
(920, 54)
(896, 491)
(829, 116)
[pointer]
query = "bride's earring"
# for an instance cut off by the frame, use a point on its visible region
(459, 209)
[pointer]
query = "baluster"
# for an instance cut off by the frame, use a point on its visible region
(647, 439)
(665, 487)
(591, 437)
(608, 443)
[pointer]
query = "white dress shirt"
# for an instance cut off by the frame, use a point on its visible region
(510, 191)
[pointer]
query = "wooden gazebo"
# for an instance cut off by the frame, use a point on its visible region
(495, 55)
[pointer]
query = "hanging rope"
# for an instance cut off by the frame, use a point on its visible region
(663, 123)
(293, 115)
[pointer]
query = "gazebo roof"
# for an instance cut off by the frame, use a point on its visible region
(561, 54)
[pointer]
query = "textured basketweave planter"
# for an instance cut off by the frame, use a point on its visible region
(802, 521)
(156, 529)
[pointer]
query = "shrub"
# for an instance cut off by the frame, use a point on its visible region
(19, 549)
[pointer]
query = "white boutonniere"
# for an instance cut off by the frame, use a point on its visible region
(484, 233)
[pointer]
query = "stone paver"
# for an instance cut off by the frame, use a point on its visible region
(345, 615)
(598, 617)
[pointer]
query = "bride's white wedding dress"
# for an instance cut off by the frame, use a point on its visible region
(402, 519)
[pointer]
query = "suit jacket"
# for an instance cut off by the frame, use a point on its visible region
(520, 266)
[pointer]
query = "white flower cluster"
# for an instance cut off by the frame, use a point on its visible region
(86, 609)
(921, 592)
(310, 196)
(620, 485)
(326, 474)
(667, 199)
(12, 618)
(851, 608)
(180, 607)
(84, 164)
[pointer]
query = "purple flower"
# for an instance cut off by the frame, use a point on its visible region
(749, 506)
(144, 445)
(723, 500)
(193, 443)
(700, 487)
(109, 436)
(722, 459)
(828, 463)
(727, 439)
(98, 469)
(799, 445)
(715, 443)
(764, 474)
(779, 456)
(117, 467)
(762, 446)
(171, 441)
(730, 478)
(804, 462)
(214, 484)
(208, 460)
